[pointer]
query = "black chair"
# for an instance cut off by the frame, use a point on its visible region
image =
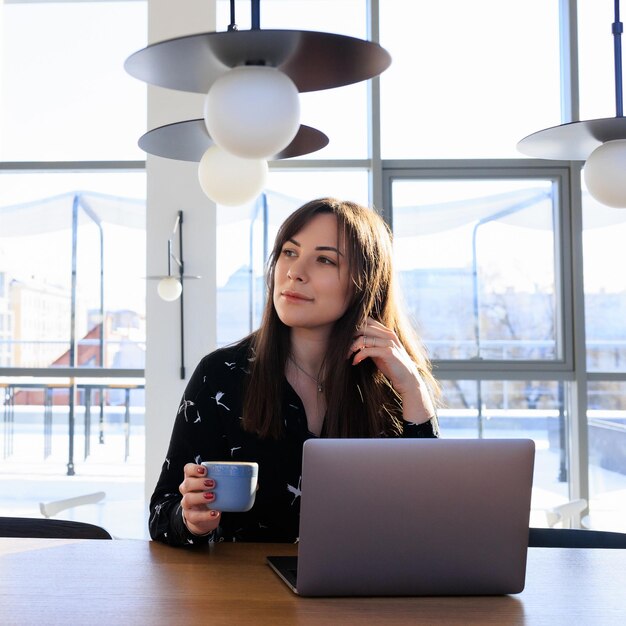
(50, 529)
(574, 538)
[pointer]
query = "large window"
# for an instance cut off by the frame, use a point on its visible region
(68, 98)
(527, 335)
(461, 250)
(508, 268)
(70, 298)
(465, 82)
(72, 254)
(605, 288)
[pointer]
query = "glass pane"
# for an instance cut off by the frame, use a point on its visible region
(596, 69)
(48, 226)
(515, 409)
(604, 257)
(606, 418)
(245, 236)
(105, 450)
(469, 282)
(463, 82)
(340, 113)
(69, 98)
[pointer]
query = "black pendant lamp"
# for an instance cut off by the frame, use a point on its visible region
(600, 142)
(252, 79)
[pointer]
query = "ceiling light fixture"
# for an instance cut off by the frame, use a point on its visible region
(252, 111)
(252, 79)
(230, 180)
(601, 142)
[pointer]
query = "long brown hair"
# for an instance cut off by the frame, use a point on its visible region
(360, 400)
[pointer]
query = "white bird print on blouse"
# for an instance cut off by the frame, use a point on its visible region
(297, 491)
(183, 407)
(218, 396)
(232, 451)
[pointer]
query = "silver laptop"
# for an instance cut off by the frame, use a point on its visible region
(394, 517)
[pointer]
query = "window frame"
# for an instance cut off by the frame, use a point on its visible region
(7, 167)
(556, 173)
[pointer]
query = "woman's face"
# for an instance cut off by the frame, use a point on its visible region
(311, 281)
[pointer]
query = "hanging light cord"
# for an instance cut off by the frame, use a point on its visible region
(618, 28)
(233, 25)
(255, 15)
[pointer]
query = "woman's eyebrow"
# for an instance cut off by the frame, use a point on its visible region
(329, 248)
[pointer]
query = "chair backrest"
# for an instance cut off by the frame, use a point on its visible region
(50, 529)
(50, 509)
(575, 538)
(567, 514)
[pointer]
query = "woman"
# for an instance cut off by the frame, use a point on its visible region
(332, 358)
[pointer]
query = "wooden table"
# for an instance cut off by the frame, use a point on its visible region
(87, 583)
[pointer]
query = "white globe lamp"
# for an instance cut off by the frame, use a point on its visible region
(230, 180)
(169, 288)
(605, 173)
(252, 111)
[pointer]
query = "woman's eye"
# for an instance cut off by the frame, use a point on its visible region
(288, 252)
(326, 261)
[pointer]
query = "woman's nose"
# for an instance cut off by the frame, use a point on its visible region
(296, 272)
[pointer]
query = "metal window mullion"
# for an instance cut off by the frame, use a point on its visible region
(373, 115)
(601, 377)
(71, 166)
(506, 370)
(563, 264)
(70, 372)
(319, 164)
(578, 439)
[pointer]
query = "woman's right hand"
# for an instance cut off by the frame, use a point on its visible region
(197, 493)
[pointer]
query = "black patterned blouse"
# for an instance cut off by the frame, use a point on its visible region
(208, 428)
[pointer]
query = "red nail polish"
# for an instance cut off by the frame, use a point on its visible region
(200, 469)
(208, 495)
(209, 483)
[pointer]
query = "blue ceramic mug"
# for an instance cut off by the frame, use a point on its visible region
(235, 484)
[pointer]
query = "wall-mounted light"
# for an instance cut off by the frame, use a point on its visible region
(170, 286)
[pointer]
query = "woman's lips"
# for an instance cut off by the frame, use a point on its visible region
(294, 296)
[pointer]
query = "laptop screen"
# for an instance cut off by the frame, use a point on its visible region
(414, 516)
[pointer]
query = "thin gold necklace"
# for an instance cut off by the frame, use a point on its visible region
(317, 381)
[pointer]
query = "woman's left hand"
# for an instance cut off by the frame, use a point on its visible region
(379, 343)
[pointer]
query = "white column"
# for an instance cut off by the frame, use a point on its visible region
(172, 186)
(1, 70)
